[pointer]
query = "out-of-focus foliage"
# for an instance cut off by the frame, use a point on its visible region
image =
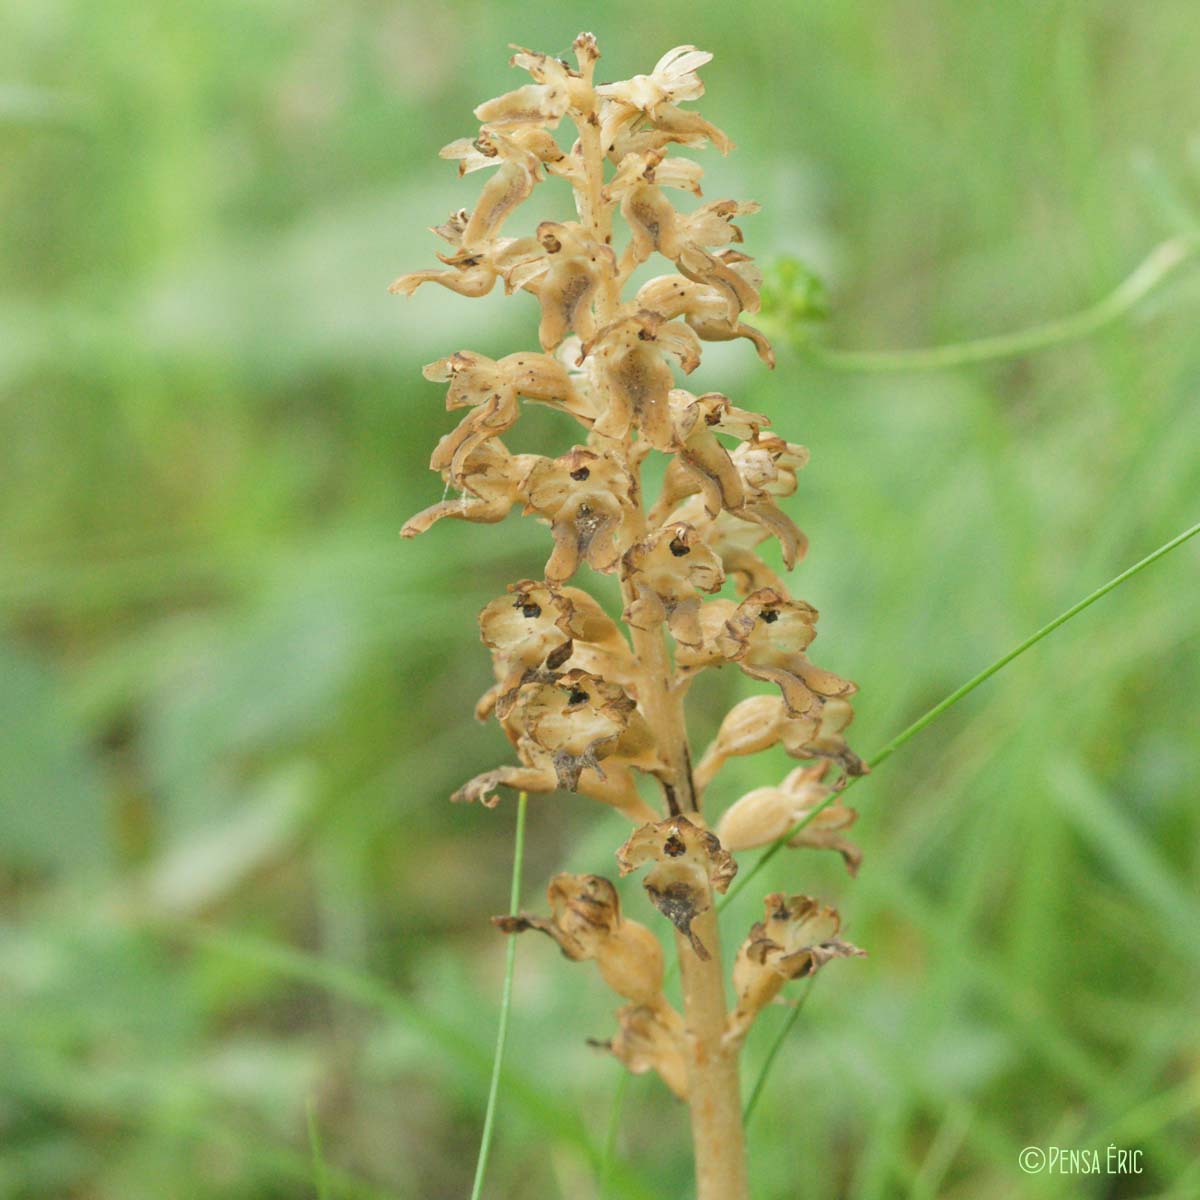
(229, 694)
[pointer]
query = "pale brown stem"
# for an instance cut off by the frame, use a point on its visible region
(714, 1092)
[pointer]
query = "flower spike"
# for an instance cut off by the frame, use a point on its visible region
(589, 690)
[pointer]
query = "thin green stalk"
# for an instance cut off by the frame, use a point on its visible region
(320, 1171)
(510, 961)
(888, 750)
(776, 1046)
(360, 988)
(958, 694)
(610, 1136)
(1160, 263)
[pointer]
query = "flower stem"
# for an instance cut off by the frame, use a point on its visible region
(1161, 262)
(714, 1096)
(714, 1093)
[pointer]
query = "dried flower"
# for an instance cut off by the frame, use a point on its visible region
(797, 937)
(667, 572)
(587, 497)
(489, 476)
(540, 628)
(649, 1040)
(587, 925)
(687, 865)
(703, 307)
(653, 100)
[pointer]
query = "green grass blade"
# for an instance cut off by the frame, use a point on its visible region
(1169, 202)
(776, 1046)
(510, 961)
(366, 990)
(1120, 842)
(320, 1172)
(609, 1151)
(960, 693)
(1160, 263)
(921, 723)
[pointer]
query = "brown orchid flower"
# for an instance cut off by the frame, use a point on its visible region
(656, 225)
(734, 538)
(656, 168)
(557, 89)
(580, 719)
(577, 732)
(687, 864)
(705, 308)
(471, 275)
(629, 364)
(562, 266)
(488, 475)
(655, 98)
(767, 636)
(651, 1039)
(730, 274)
(667, 572)
(491, 389)
(769, 465)
(474, 379)
(587, 497)
(703, 465)
(587, 924)
(539, 628)
(518, 157)
(798, 936)
(528, 631)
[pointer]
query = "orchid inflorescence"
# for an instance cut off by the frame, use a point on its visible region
(590, 708)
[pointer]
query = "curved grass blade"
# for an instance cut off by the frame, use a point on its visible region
(1160, 263)
(609, 1151)
(489, 1116)
(776, 1046)
(370, 992)
(891, 747)
(958, 694)
(320, 1171)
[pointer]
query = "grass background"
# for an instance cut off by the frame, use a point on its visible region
(232, 701)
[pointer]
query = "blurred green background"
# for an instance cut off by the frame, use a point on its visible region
(232, 703)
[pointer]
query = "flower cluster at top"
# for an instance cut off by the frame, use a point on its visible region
(587, 707)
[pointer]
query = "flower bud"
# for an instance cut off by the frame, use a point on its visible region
(766, 814)
(631, 963)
